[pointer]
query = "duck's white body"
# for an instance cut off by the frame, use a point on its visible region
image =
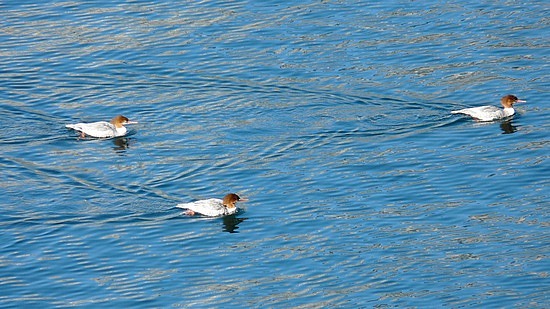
(211, 207)
(98, 129)
(486, 113)
(103, 129)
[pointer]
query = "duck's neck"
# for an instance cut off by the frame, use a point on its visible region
(509, 111)
(121, 131)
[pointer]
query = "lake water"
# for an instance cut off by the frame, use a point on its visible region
(331, 117)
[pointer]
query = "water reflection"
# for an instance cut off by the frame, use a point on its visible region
(507, 127)
(231, 222)
(121, 144)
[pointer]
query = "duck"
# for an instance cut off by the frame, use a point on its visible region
(490, 113)
(213, 207)
(102, 129)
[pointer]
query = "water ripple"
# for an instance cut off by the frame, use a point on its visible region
(333, 119)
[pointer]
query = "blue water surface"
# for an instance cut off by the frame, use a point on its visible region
(331, 117)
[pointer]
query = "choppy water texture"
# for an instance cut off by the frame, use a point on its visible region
(333, 118)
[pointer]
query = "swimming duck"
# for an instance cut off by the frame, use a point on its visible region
(213, 207)
(103, 128)
(490, 113)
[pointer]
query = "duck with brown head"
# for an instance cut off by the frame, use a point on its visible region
(490, 113)
(102, 129)
(213, 207)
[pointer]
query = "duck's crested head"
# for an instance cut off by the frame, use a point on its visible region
(230, 200)
(120, 121)
(509, 100)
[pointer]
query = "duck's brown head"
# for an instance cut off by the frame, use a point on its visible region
(230, 200)
(509, 100)
(119, 121)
